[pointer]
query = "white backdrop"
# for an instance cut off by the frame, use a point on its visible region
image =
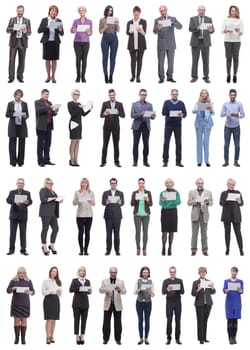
(67, 178)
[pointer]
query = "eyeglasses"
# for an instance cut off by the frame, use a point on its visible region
(49, 183)
(76, 94)
(143, 94)
(113, 183)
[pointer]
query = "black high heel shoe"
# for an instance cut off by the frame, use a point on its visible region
(45, 252)
(52, 250)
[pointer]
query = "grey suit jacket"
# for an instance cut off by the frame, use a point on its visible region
(194, 28)
(136, 111)
(10, 29)
(166, 37)
(197, 207)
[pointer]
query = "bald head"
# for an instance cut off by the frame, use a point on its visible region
(201, 11)
(163, 10)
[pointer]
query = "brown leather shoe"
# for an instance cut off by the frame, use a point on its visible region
(138, 252)
(144, 252)
(205, 253)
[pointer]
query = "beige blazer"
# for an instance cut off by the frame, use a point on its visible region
(200, 206)
(108, 294)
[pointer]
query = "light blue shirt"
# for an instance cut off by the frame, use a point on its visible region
(232, 107)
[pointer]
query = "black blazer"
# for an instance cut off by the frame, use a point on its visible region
(135, 202)
(13, 38)
(141, 38)
(43, 28)
(42, 114)
(80, 299)
(13, 129)
(230, 209)
(18, 212)
(203, 296)
(113, 210)
(112, 121)
(48, 208)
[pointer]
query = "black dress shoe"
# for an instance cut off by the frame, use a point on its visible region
(53, 81)
(234, 79)
(106, 79)
(178, 342)
(161, 80)
(227, 252)
(102, 165)
(206, 341)
(199, 164)
(138, 80)
(81, 253)
(52, 250)
(193, 80)
(180, 165)
(118, 164)
(135, 164)
(82, 342)
(110, 79)
(206, 80)
(41, 164)
(228, 78)
(201, 342)
(107, 253)
(78, 80)
(50, 163)
(78, 342)
(83, 79)
(146, 342)
(140, 342)
(132, 79)
(241, 253)
(118, 253)
(236, 163)
(10, 80)
(45, 252)
(20, 80)
(146, 164)
(24, 252)
(171, 80)
(118, 342)
(105, 342)
(225, 163)
(86, 253)
(10, 252)
(47, 80)
(208, 164)
(168, 342)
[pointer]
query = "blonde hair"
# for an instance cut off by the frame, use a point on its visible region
(200, 98)
(82, 7)
(82, 181)
(79, 269)
(232, 181)
(46, 180)
(21, 269)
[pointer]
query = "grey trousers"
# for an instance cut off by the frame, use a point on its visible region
(161, 60)
(195, 230)
(204, 50)
(141, 221)
(232, 50)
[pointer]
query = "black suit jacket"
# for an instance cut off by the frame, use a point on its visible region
(42, 114)
(112, 120)
(230, 209)
(18, 212)
(80, 299)
(141, 38)
(48, 208)
(113, 210)
(10, 29)
(174, 295)
(203, 296)
(135, 202)
(193, 27)
(12, 127)
(43, 28)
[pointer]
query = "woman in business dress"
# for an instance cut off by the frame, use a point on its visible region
(202, 290)
(81, 43)
(144, 289)
(233, 29)
(76, 111)
(81, 288)
(84, 198)
(51, 290)
(21, 288)
(52, 29)
(49, 212)
(233, 303)
(109, 43)
(231, 214)
(136, 30)
(169, 218)
(17, 112)
(203, 125)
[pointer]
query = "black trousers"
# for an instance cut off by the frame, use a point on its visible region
(112, 225)
(173, 308)
(167, 136)
(81, 52)
(80, 315)
(16, 157)
(237, 231)
(84, 226)
(115, 132)
(43, 145)
(202, 314)
(143, 130)
(21, 51)
(46, 222)
(14, 223)
(136, 60)
(117, 323)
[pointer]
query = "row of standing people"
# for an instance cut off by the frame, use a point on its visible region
(142, 112)
(113, 199)
(113, 288)
(201, 27)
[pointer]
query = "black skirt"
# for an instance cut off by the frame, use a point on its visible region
(51, 51)
(169, 220)
(76, 133)
(19, 311)
(51, 307)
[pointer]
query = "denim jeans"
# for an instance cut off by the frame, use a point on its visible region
(203, 135)
(227, 138)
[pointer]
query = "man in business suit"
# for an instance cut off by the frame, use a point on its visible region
(113, 200)
(201, 27)
(17, 112)
(113, 288)
(18, 43)
(44, 126)
(141, 113)
(200, 199)
(18, 215)
(136, 30)
(164, 28)
(202, 290)
(173, 288)
(111, 111)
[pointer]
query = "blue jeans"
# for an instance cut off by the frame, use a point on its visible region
(109, 45)
(227, 138)
(143, 312)
(203, 135)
